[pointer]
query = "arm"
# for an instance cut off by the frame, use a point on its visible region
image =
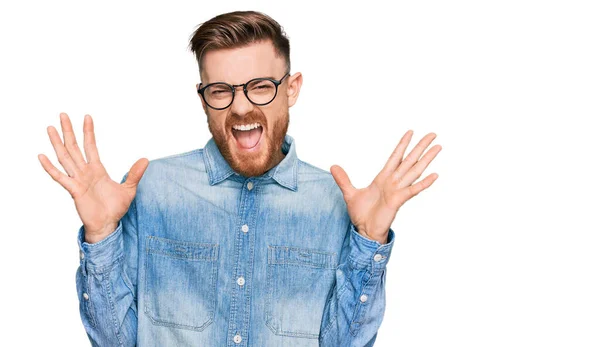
(106, 283)
(356, 303)
(106, 277)
(372, 210)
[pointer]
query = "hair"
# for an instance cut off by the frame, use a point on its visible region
(238, 29)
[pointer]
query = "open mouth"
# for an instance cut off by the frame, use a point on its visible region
(247, 136)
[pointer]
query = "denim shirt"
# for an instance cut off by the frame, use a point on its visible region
(207, 257)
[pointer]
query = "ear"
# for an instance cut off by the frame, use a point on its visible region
(293, 89)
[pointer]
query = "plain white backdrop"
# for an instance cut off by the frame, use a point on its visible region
(502, 250)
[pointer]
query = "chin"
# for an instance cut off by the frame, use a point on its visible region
(250, 162)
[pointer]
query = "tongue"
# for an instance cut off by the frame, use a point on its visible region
(247, 139)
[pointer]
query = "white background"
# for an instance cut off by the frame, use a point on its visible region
(502, 250)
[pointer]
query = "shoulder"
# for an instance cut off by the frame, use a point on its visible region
(308, 172)
(179, 158)
(306, 168)
(319, 180)
(170, 166)
(189, 159)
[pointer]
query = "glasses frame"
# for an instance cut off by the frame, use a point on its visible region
(234, 87)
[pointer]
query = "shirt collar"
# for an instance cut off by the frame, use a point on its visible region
(285, 173)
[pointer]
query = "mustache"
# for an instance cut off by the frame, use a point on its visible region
(256, 116)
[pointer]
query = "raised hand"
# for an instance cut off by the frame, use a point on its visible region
(373, 209)
(100, 201)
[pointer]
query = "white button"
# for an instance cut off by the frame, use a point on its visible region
(241, 281)
(81, 255)
(237, 339)
(86, 296)
(363, 298)
(250, 185)
(378, 257)
(245, 228)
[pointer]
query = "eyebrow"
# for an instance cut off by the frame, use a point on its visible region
(271, 77)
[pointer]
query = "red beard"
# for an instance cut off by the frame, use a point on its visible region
(251, 164)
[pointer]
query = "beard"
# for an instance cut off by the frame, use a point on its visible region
(256, 163)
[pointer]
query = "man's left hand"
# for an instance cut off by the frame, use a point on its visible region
(373, 209)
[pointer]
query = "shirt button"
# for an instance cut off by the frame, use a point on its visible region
(241, 281)
(86, 296)
(378, 257)
(363, 298)
(245, 228)
(237, 339)
(250, 185)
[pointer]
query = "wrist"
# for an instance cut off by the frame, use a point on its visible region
(91, 236)
(382, 238)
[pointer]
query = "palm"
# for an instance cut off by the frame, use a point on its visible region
(100, 201)
(98, 198)
(373, 209)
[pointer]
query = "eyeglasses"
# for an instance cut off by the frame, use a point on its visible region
(260, 92)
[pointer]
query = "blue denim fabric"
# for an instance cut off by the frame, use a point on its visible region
(207, 257)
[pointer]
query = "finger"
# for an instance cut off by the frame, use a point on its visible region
(65, 181)
(417, 170)
(136, 172)
(70, 141)
(422, 185)
(342, 180)
(398, 154)
(64, 158)
(415, 154)
(89, 140)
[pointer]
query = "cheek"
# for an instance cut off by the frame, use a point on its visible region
(275, 114)
(216, 120)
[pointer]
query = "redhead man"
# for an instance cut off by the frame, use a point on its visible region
(238, 243)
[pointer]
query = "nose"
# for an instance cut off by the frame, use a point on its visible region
(241, 105)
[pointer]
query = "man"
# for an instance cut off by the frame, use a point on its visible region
(239, 243)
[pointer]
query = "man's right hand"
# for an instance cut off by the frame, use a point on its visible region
(100, 201)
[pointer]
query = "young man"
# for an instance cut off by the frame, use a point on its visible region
(239, 243)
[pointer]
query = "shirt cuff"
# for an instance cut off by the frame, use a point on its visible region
(94, 257)
(367, 253)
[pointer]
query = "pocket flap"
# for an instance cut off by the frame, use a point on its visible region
(182, 249)
(302, 256)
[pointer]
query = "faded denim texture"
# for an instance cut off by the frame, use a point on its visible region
(207, 257)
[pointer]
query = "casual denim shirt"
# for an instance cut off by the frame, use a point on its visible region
(207, 257)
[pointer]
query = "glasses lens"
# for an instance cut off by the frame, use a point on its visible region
(261, 91)
(218, 95)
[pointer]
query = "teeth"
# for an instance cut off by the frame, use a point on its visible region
(246, 127)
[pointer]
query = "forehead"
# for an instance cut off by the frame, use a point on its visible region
(239, 65)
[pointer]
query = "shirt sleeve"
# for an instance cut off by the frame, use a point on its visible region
(356, 303)
(106, 282)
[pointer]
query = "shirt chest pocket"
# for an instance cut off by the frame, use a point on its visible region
(180, 283)
(299, 281)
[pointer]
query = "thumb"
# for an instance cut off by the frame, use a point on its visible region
(135, 173)
(342, 180)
